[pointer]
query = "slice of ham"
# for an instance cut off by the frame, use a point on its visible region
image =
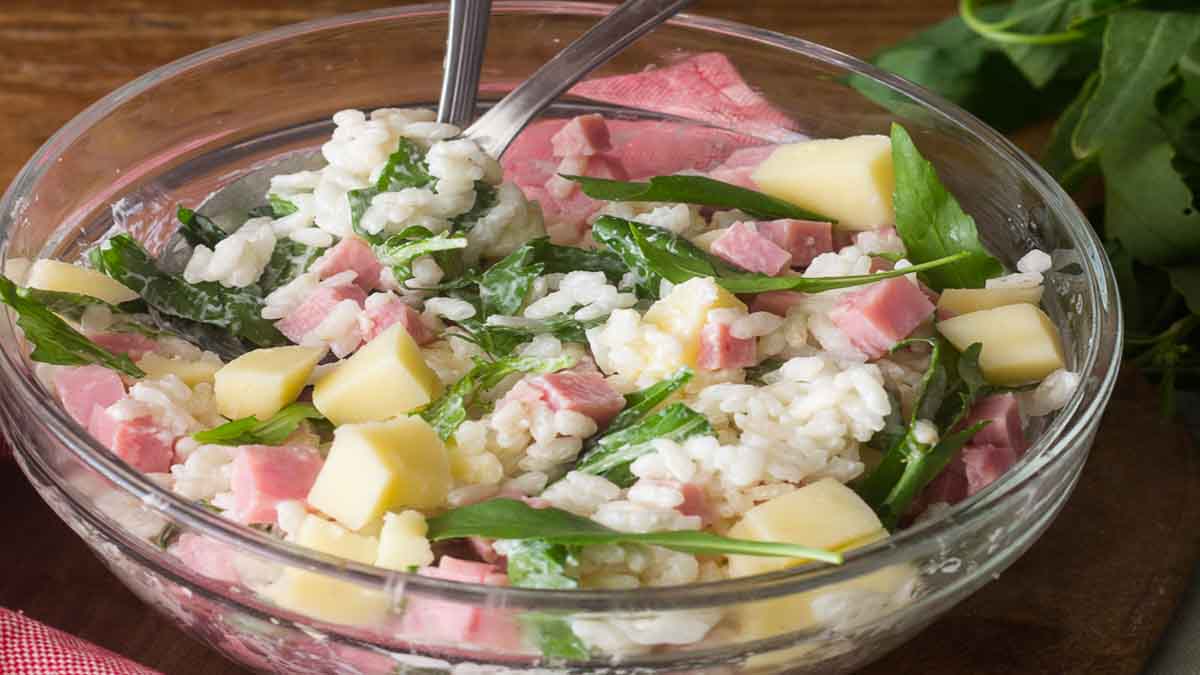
(264, 475)
(878, 316)
(1003, 414)
(739, 167)
(775, 302)
(206, 556)
(140, 442)
(381, 315)
(985, 463)
(133, 345)
(584, 135)
(719, 349)
(460, 623)
(350, 255)
(743, 245)
(315, 308)
(585, 393)
(86, 387)
(804, 239)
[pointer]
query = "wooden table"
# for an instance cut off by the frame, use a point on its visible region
(1092, 596)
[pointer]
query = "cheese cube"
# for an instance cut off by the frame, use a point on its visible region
(192, 372)
(824, 514)
(955, 301)
(55, 275)
(402, 542)
(379, 466)
(324, 598)
(847, 179)
(684, 311)
(386, 378)
(263, 381)
(1020, 343)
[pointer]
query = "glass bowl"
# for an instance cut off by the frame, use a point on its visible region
(183, 130)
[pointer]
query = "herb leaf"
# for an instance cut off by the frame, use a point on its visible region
(613, 453)
(513, 519)
(280, 207)
(505, 285)
(694, 190)
(129, 317)
(641, 403)
(289, 260)
(400, 250)
(557, 259)
(251, 431)
(198, 229)
(502, 340)
(536, 563)
(54, 340)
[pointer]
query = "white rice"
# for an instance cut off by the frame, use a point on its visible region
(237, 260)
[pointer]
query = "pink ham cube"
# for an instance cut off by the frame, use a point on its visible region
(696, 503)
(984, 464)
(804, 239)
(583, 135)
(719, 349)
(86, 387)
(743, 245)
(264, 475)
(876, 317)
(381, 315)
(133, 345)
(1002, 412)
(350, 255)
(585, 393)
(206, 556)
(596, 166)
(949, 487)
(776, 302)
(139, 442)
(315, 308)
(739, 166)
(460, 623)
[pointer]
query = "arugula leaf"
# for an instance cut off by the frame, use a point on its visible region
(557, 259)
(450, 410)
(129, 317)
(280, 207)
(251, 431)
(755, 373)
(1037, 59)
(514, 519)
(932, 224)
(288, 260)
(198, 229)
(505, 285)
(486, 197)
(536, 563)
(613, 453)
(400, 250)
(405, 168)
(641, 403)
(54, 340)
(238, 310)
(694, 190)
(1059, 157)
(502, 340)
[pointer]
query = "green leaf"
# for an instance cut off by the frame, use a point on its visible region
(198, 229)
(504, 287)
(129, 317)
(1059, 155)
(280, 207)
(1040, 62)
(54, 340)
(557, 259)
(500, 341)
(615, 452)
(238, 310)
(166, 536)
(251, 431)
(513, 519)
(400, 250)
(405, 168)
(755, 373)
(641, 403)
(932, 224)
(486, 197)
(694, 190)
(536, 563)
(288, 260)
(1140, 48)
(451, 409)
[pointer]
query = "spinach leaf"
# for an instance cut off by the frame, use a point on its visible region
(505, 285)
(198, 229)
(288, 260)
(251, 431)
(54, 340)
(238, 310)
(614, 452)
(641, 403)
(536, 563)
(450, 410)
(513, 519)
(502, 340)
(932, 224)
(694, 190)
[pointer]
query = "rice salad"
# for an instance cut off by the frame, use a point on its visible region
(734, 359)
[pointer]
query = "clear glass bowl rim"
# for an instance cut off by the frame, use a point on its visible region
(1066, 435)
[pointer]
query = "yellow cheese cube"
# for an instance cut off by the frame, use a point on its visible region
(387, 377)
(324, 598)
(190, 371)
(824, 514)
(1020, 343)
(263, 381)
(402, 542)
(55, 275)
(379, 466)
(684, 310)
(847, 179)
(966, 300)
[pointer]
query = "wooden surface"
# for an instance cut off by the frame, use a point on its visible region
(1092, 596)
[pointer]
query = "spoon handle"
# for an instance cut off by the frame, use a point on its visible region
(465, 46)
(496, 129)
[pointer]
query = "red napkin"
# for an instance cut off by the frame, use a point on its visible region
(31, 648)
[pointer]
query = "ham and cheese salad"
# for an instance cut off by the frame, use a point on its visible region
(698, 354)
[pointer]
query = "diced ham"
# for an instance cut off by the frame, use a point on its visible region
(351, 255)
(719, 349)
(695, 503)
(380, 316)
(583, 135)
(134, 345)
(315, 308)
(878, 316)
(465, 570)
(739, 167)
(85, 387)
(264, 475)
(880, 265)
(743, 245)
(985, 463)
(140, 442)
(589, 394)
(949, 487)
(804, 239)
(596, 166)
(1003, 413)
(484, 549)
(775, 302)
(206, 556)
(461, 623)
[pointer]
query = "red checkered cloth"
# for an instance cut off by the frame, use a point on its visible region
(31, 648)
